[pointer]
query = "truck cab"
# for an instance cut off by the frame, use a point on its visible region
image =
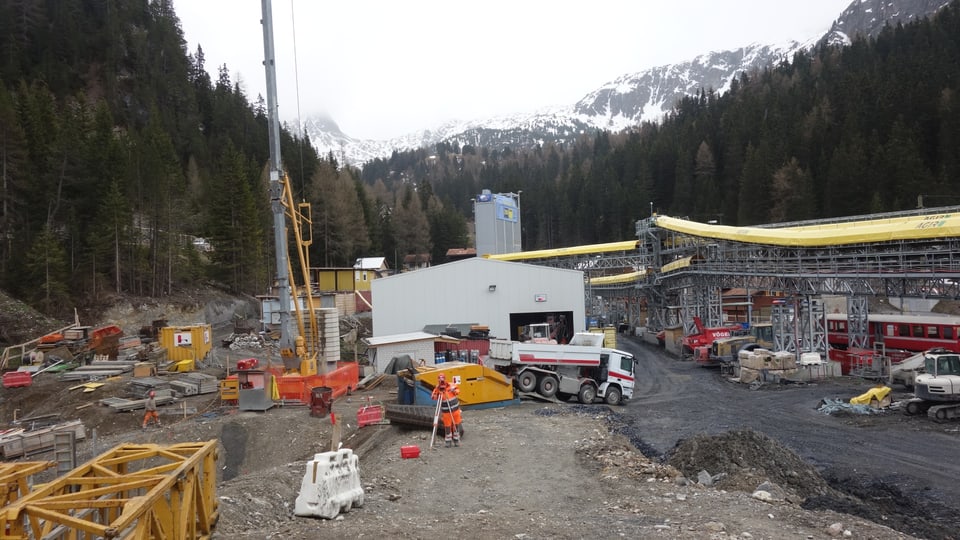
(616, 384)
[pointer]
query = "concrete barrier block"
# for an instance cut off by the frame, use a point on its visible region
(331, 484)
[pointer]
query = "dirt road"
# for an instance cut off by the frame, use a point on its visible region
(909, 466)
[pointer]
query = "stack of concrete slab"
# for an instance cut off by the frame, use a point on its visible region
(184, 388)
(191, 384)
(120, 404)
(766, 366)
(98, 370)
(139, 388)
(206, 384)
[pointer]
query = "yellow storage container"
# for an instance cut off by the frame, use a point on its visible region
(609, 335)
(187, 342)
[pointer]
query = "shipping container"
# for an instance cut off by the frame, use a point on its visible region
(187, 342)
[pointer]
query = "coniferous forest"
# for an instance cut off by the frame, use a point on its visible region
(118, 149)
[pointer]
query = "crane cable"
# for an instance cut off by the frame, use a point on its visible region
(296, 85)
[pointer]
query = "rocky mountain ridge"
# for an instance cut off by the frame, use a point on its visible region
(625, 102)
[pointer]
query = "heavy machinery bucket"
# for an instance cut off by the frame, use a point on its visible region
(479, 385)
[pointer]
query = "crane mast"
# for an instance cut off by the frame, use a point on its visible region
(293, 348)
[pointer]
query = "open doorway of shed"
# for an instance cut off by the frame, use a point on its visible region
(561, 324)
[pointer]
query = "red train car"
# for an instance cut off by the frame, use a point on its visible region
(902, 334)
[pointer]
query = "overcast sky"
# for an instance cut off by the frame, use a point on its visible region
(386, 68)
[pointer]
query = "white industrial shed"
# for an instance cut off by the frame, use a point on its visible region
(501, 295)
(417, 345)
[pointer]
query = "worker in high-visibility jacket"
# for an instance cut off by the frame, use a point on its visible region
(447, 393)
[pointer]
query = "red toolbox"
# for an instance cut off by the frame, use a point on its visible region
(410, 451)
(13, 379)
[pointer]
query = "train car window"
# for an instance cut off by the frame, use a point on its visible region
(947, 332)
(917, 330)
(889, 330)
(933, 331)
(904, 330)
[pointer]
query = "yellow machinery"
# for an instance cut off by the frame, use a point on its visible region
(14, 476)
(133, 491)
(479, 385)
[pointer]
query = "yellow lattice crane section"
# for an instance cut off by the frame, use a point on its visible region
(134, 491)
(13, 478)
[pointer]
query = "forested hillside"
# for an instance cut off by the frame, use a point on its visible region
(117, 149)
(867, 128)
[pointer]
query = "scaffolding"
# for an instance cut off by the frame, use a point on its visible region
(678, 267)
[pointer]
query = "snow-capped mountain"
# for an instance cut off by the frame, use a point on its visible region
(868, 17)
(626, 101)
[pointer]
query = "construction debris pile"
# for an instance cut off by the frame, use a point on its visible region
(833, 406)
(617, 459)
(242, 341)
(742, 460)
(94, 358)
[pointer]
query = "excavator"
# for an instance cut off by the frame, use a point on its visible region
(937, 389)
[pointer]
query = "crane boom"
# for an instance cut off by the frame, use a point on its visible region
(296, 354)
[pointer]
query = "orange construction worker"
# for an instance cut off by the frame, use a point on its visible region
(151, 407)
(450, 407)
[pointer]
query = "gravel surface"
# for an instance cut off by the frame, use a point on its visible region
(691, 456)
(902, 471)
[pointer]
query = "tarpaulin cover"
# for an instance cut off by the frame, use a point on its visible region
(876, 393)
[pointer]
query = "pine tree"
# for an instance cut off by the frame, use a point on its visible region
(411, 229)
(13, 172)
(791, 193)
(110, 235)
(338, 216)
(48, 274)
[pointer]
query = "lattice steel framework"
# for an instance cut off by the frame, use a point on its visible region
(858, 331)
(927, 268)
(133, 491)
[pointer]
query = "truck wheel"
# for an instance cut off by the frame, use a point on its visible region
(941, 415)
(527, 381)
(587, 394)
(613, 396)
(548, 386)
